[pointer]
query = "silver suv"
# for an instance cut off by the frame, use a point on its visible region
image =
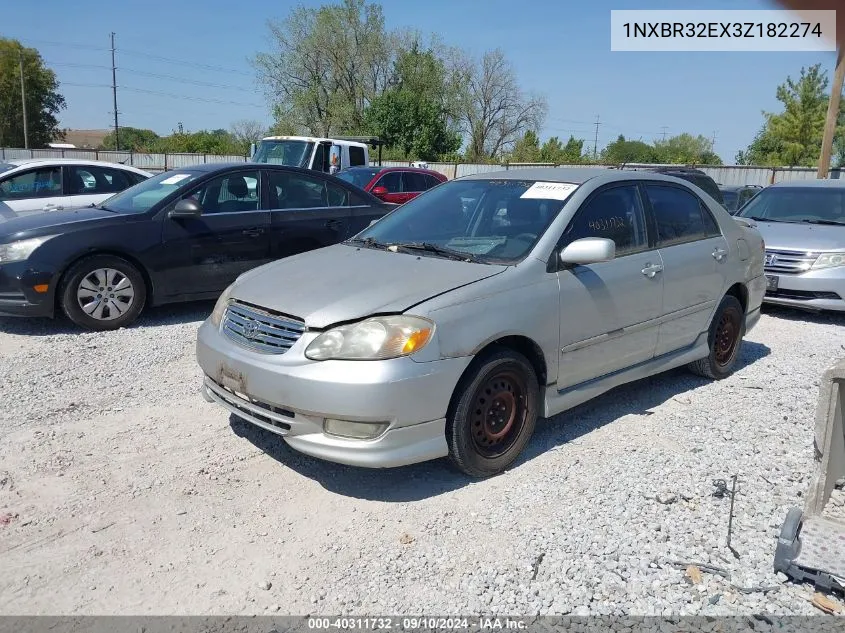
(803, 223)
(451, 324)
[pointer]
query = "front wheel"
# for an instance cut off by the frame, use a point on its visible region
(494, 413)
(103, 292)
(725, 339)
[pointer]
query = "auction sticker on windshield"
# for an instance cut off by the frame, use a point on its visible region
(175, 178)
(549, 190)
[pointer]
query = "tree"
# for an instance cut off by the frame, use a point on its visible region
(133, 139)
(244, 133)
(624, 151)
(764, 150)
(526, 149)
(494, 111)
(43, 100)
(327, 65)
(686, 149)
(412, 116)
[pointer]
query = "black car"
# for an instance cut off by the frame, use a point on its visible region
(696, 177)
(182, 235)
(737, 195)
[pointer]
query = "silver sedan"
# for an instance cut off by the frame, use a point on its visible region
(450, 325)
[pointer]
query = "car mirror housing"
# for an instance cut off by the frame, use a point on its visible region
(186, 208)
(588, 250)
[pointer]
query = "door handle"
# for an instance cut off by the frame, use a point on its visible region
(651, 270)
(253, 232)
(719, 254)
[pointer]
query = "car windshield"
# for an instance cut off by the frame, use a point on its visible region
(491, 221)
(284, 152)
(357, 177)
(145, 195)
(731, 199)
(798, 204)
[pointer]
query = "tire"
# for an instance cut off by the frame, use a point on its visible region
(88, 299)
(481, 441)
(724, 341)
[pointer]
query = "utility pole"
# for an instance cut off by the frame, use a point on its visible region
(664, 128)
(596, 143)
(114, 95)
(713, 141)
(832, 115)
(23, 102)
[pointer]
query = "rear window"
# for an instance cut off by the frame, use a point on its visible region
(357, 177)
(731, 199)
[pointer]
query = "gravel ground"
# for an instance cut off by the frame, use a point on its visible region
(123, 492)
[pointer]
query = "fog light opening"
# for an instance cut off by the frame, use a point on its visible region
(354, 430)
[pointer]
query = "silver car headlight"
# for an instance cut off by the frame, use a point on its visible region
(829, 260)
(220, 306)
(376, 338)
(20, 250)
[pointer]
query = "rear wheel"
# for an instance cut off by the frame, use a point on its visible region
(103, 292)
(725, 339)
(494, 414)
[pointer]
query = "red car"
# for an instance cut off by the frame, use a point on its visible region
(392, 184)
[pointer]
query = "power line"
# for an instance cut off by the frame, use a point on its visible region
(171, 60)
(188, 81)
(175, 96)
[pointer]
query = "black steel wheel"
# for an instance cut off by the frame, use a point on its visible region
(725, 340)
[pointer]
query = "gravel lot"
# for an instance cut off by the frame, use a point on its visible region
(123, 492)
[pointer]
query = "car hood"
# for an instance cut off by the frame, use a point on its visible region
(50, 222)
(343, 283)
(801, 237)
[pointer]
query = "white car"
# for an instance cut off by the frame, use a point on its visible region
(49, 184)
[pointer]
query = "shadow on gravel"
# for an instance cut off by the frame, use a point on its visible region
(172, 314)
(805, 316)
(429, 479)
(406, 483)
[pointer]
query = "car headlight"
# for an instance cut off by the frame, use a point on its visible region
(220, 306)
(376, 338)
(20, 250)
(829, 260)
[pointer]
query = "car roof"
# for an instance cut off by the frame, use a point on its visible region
(27, 162)
(802, 184)
(211, 168)
(573, 175)
(738, 187)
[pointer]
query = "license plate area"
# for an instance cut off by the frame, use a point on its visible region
(772, 283)
(233, 380)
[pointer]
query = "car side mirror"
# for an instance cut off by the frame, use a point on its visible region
(186, 208)
(588, 250)
(380, 191)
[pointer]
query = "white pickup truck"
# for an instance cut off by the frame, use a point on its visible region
(327, 155)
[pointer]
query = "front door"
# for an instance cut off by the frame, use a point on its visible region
(695, 256)
(609, 310)
(205, 254)
(31, 191)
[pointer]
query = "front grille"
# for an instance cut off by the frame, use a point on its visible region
(789, 262)
(803, 295)
(260, 330)
(253, 408)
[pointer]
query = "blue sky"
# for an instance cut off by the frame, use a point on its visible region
(559, 48)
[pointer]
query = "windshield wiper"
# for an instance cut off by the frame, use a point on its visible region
(829, 222)
(439, 250)
(369, 242)
(759, 219)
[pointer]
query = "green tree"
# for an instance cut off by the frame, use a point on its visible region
(326, 65)
(43, 100)
(686, 149)
(764, 150)
(624, 151)
(573, 151)
(133, 139)
(526, 149)
(799, 128)
(412, 116)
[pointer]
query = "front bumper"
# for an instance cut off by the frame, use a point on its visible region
(816, 290)
(17, 294)
(292, 396)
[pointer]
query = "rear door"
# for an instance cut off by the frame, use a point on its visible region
(91, 184)
(205, 254)
(609, 311)
(31, 191)
(413, 184)
(695, 258)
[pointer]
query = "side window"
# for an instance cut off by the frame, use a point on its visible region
(678, 215)
(356, 156)
(431, 181)
(38, 183)
(298, 191)
(230, 193)
(615, 214)
(134, 178)
(392, 181)
(414, 182)
(90, 179)
(711, 228)
(321, 158)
